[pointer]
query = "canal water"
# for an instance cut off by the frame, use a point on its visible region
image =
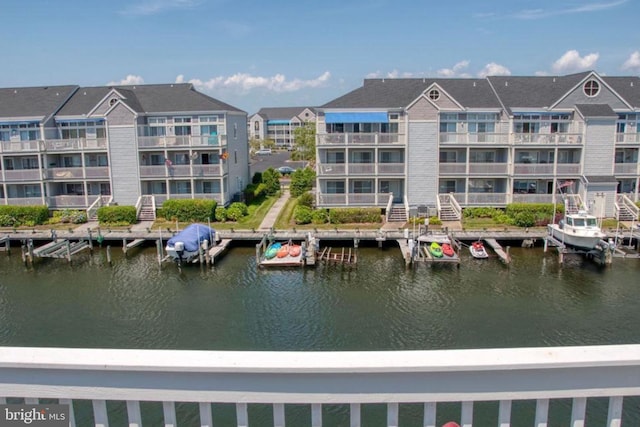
(378, 305)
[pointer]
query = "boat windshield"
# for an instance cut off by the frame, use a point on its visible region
(578, 222)
(591, 222)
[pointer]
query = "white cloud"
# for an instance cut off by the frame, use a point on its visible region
(152, 7)
(633, 62)
(243, 82)
(545, 13)
(131, 79)
(572, 62)
(456, 71)
(493, 69)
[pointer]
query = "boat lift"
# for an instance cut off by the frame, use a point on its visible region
(601, 254)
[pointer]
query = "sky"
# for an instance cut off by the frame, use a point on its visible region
(254, 54)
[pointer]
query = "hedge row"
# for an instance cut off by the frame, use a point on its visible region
(195, 210)
(117, 215)
(303, 214)
(518, 214)
(15, 216)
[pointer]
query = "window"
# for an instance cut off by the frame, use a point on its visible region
(182, 187)
(32, 190)
(525, 186)
(335, 157)
(591, 88)
(448, 157)
(482, 156)
(256, 126)
(481, 185)
(75, 189)
(211, 187)
(390, 157)
(362, 157)
(448, 186)
(363, 187)
(30, 163)
(434, 94)
(112, 102)
(335, 187)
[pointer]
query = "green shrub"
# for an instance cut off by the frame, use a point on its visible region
(68, 216)
(434, 220)
(537, 209)
(236, 211)
(301, 181)
(271, 180)
(257, 178)
(255, 192)
(319, 216)
(524, 219)
(354, 215)
(503, 219)
(306, 199)
(481, 212)
(302, 214)
(15, 216)
(221, 213)
(117, 215)
(189, 210)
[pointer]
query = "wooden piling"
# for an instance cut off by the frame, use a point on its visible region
(109, 254)
(69, 251)
(159, 251)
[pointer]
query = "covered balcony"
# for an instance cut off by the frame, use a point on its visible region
(506, 387)
(335, 139)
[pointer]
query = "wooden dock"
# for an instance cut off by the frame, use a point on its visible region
(59, 249)
(130, 245)
(341, 256)
(504, 255)
(217, 251)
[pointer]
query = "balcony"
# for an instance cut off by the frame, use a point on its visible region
(362, 168)
(568, 169)
(153, 171)
(20, 146)
(181, 141)
(547, 138)
(91, 172)
(368, 139)
(61, 174)
(75, 144)
(473, 138)
(626, 168)
(627, 138)
(69, 201)
(391, 168)
(331, 168)
(23, 175)
(22, 201)
(471, 199)
(532, 198)
(429, 380)
(532, 169)
(207, 170)
(488, 168)
(452, 168)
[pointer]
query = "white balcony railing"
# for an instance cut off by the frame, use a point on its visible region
(362, 168)
(452, 168)
(96, 172)
(488, 168)
(23, 175)
(532, 169)
(626, 168)
(181, 141)
(331, 168)
(532, 198)
(359, 138)
(65, 173)
(332, 199)
(75, 144)
(68, 201)
(473, 138)
(547, 138)
(568, 168)
(206, 170)
(19, 146)
(153, 171)
(484, 198)
(629, 138)
(391, 168)
(314, 379)
(30, 201)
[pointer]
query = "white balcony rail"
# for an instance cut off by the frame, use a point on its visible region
(532, 198)
(362, 168)
(391, 168)
(181, 141)
(473, 138)
(568, 168)
(359, 138)
(29, 201)
(18, 146)
(488, 168)
(630, 137)
(547, 138)
(65, 173)
(331, 168)
(452, 168)
(532, 169)
(75, 144)
(623, 201)
(96, 172)
(23, 175)
(314, 379)
(626, 168)
(66, 201)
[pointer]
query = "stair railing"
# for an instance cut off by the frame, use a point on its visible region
(455, 206)
(624, 202)
(389, 204)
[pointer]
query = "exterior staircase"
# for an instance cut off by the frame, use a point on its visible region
(448, 208)
(92, 211)
(146, 208)
(573, 203)
(626, 210)
(398, 213)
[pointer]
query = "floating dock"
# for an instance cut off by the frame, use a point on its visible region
(504, 255)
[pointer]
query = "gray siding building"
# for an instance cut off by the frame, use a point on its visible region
(447, 144)
(79, 147)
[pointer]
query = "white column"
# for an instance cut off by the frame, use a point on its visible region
(100, 413)
(278, 415)
(614, 418)
(206, 419)
(578, 410)
(72, 416)
(542, 411)
(133, 413)
(429, 414)
(355, 414)
(241, 415)
(316, 415)
(169, 411)
(466, 419)
(504, 414)
(392, 415)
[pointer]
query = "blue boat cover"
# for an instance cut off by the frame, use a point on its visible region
(192, 236)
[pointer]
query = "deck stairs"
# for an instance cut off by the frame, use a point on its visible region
(625, 209)
(92, 211)
(573, 203)
(146, 208)
(448, 208)
(398, 213)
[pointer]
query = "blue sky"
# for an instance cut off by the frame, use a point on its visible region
(255, 54)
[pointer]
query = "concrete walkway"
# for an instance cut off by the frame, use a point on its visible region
(271, 216)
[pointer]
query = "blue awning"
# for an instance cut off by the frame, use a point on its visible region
(80, 120)
(279, 122)
(19, 122)
(357, 117)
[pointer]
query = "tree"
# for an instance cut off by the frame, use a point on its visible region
(305, 143)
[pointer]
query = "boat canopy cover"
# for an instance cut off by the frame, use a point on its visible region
(192, 236)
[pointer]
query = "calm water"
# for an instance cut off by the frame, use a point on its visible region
(380, 305)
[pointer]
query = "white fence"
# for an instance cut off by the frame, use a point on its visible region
(326, 378)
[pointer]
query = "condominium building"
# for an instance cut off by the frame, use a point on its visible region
(76, 147)
(279, 124)
(447, 144)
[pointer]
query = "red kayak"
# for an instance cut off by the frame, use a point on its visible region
(447, 250)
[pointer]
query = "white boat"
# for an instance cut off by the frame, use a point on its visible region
(477, 250)
(185, 246)
(579, 230)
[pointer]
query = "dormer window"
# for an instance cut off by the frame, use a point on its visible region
(434, 94)
(591, 88)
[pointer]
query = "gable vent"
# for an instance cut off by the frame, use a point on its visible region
(506, 83)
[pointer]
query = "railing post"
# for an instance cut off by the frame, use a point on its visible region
(169, 411)
(100, 413)
(466, 418)
(354, 415)
(578, 410)
(278, 415)
(72, 416)
(133, 413)
(504, 414)
(206, 420)
(429, 414)
(241, 415)
(316, 415)
(542, 412)
(392, 415)
(614, 419)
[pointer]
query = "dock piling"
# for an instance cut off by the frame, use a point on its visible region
(109, 254)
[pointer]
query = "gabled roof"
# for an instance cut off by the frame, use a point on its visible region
(627, 87)
(283, 113)
(596, 110)
(149, 99)
(533, 92)
(40, 101)
(399, 93)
